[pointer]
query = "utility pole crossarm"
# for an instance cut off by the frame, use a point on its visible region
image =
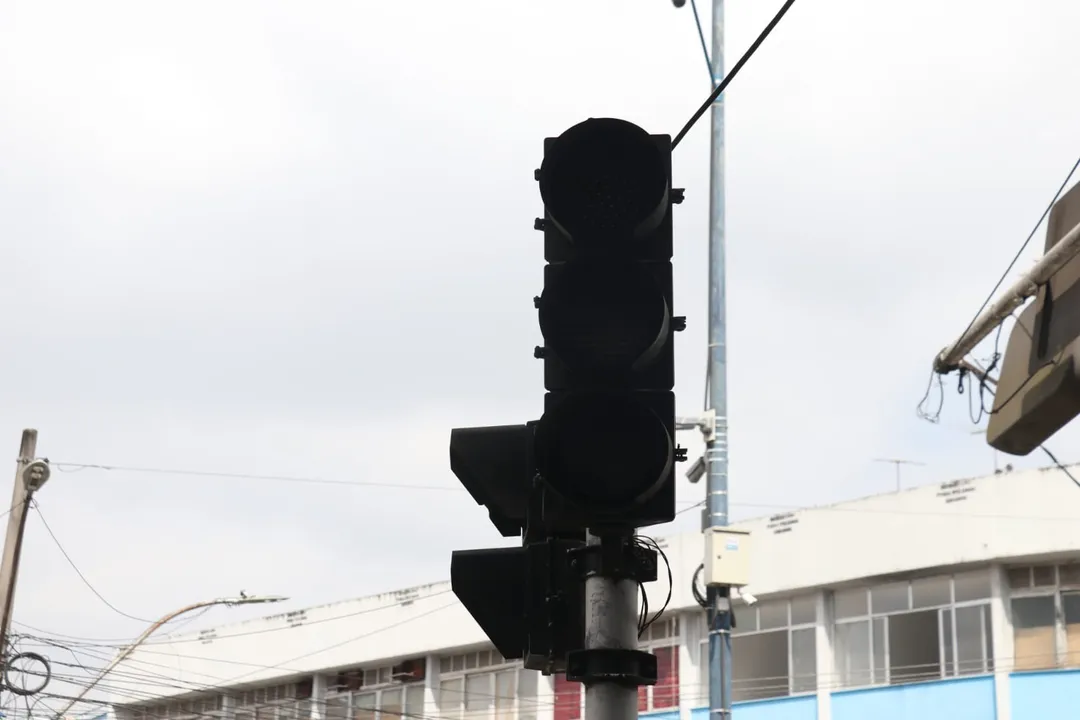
(1056, 258)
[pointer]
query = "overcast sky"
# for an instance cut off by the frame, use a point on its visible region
(267, 237)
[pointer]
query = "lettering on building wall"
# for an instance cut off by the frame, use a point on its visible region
(207, 636)
(295, 618)
(956, 490)
(407, 596)
(782, 523)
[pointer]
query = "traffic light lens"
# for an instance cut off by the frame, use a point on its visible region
(608, 318)
(605, 181)
(604, 451)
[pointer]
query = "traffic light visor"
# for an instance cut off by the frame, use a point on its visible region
(604, 450)
(605, 183)
(604, 318)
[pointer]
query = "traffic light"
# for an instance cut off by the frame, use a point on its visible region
(605, 445)
(602, 455)
(495, 464)
(1038, 389)
(525, 599)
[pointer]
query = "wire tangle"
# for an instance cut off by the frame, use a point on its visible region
(935, 415)
(39, 671)
(644, 621)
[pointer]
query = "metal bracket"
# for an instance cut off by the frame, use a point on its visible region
(708, 425)
(617, 558)
(628, 668)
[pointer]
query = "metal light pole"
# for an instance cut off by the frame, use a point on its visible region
(713, 424)
(716, 441)
(154, 627)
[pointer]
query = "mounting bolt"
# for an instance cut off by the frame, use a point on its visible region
(536, 174)
(539, 352)
(678, 195)
(680, 454)
(678, 323)
(536, 302)
(539, 224)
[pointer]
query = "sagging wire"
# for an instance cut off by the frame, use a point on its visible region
(698, 594)
(644, 621)
(985, 378)
(965, 384)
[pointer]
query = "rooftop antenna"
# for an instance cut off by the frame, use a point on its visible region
(898, 463)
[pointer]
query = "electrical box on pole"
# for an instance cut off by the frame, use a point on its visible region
(605, 445)
(1038, 390)
(727, 557)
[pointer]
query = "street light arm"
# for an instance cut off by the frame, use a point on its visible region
(154, 627)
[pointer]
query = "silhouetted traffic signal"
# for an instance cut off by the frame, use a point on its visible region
(495, 464)
(606, 442)
(527, 600)
(602, 456)
(1038, 389)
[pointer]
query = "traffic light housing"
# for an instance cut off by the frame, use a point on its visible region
(602, 455)
(605, 445)
(528, 600)
(495, 464)
(525, 599)
(1038, 389)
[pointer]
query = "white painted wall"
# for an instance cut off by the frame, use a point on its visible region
(1013, 515)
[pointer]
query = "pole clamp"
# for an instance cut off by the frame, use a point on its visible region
(627, 668)
(615, 557)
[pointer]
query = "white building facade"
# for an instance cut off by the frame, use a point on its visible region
(958, 601)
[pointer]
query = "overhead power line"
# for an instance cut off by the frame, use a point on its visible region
(688, 505)
(728, 77)
(73, 467)
(35, 506)
(1023, 247)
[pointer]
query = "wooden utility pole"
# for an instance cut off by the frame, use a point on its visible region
(30, 475)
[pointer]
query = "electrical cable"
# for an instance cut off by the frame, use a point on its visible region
(34, 504)
(1060, 467)
(229, 683)
(767, 685)
(704, 47)
(644, 621)
(75, 467)
(934, 417)
(731, 76)
(698, 595)
(1023, 247)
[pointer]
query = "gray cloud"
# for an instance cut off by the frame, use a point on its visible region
(258, 239)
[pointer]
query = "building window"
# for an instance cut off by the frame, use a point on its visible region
(662, 640)
(567, 699)
(198, 708)
(289, 701)
(1046, 616)
(372, 694)
(484, 682)
(901, 632)
(776, 646)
